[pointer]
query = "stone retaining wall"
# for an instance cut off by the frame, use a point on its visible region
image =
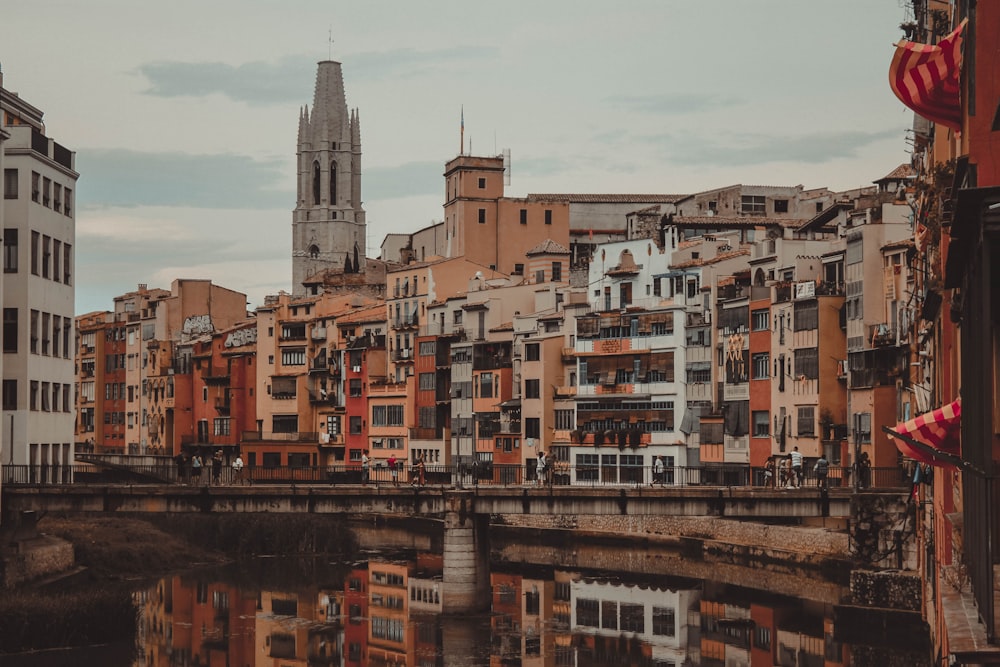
(817, 541)
(36, 558)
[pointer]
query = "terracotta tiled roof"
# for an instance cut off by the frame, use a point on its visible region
(905, 243)
(376, 313)
(710, 260)
(548, 247)
(902, 171)
(607, 198)
(736, 222)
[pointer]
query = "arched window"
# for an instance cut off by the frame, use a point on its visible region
(333, 184)
(315, 183)
(314, 252)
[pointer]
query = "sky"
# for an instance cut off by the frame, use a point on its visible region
(184, 114)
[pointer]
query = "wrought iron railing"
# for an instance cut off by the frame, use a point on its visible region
(165, 469)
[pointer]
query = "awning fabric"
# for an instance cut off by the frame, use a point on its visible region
(925, 77)
(938, 430)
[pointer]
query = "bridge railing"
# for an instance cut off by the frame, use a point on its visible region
(559, 474)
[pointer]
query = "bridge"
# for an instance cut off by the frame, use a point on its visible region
(465, 511)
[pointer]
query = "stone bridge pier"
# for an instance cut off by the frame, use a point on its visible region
(466, 576)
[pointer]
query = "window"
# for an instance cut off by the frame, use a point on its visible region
(532, 352)
(46, 191)
(46, 405)
(293, 356)
(565, 420)
(548, 216)
(862, 427)
(761, 365)
(760, 320)
(532, 388)
(482, 183)
(486, 385)
(387, 415)
(35, 242)
(10, 394)
(285, 423)
(752, 205)
(664, 621)
(33, 348)
(806, 424)
(781, 206)
(221, 426)
(427, 381)
(532, 427)
(354, 388)
(428, 348)
(10, 329)
(10, 183)
(482, 216)
(633, 617)
(761, 424)
(588, 612)
(524, 216)
(56, 256)
(556, 271)
(807, 363)
(355, 425)
(806, 315)
(33, 397)
(518, 269)
(35, 187)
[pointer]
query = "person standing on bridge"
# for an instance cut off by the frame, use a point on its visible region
(196, 469)
(393, 472)
(217, 467)
(796, 457)
(181, 461)
(238, 470)
(540, 468)
(821, 469)
(364, 466)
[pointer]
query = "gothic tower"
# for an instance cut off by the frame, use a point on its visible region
(328, 224)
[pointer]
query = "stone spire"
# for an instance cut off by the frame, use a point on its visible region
(328, 221)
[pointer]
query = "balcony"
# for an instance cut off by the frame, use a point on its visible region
(882, 335)
(403, 355)
(324, 397)
(264, 436)
(405, 323)
(222, 406)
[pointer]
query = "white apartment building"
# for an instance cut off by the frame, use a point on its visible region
(39, 234)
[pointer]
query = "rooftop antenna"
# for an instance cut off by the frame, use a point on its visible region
(461, 135)
(329, 46)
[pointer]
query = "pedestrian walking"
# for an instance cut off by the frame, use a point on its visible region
(196, 469)
(657, 471)
(364, 466)
(238, 470)
(217, 467)
(181, 461)
(796, 458)
(769, 477)
(393, 472)
(417, 474)
(822, 468)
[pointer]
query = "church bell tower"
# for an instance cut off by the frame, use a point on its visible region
(328, 224)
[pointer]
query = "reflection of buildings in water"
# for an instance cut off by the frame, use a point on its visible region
(739, 627)
(356, 615)
(648, 625)
(189, 621)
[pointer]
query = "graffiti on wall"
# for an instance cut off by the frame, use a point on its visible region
(241, 337)
(197, 325)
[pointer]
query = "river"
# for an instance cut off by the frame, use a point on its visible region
(383, 607)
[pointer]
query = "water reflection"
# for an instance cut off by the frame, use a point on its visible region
(387, 611)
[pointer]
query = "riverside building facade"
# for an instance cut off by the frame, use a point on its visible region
(37, 214)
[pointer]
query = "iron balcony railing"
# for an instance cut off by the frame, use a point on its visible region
(166, 469)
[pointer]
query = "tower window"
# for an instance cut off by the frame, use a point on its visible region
(333, 184)
(482, 216)
(548, 216)
(524, 216)
(482, 183)
(313, 252)
(315, 183)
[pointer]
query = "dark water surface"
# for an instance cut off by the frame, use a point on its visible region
(384, 608)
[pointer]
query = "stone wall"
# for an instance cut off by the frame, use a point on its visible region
(35, 558)
(882, 531)
(818, 541)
